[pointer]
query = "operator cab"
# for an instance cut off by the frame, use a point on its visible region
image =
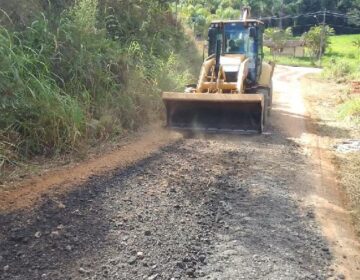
(235, 37)
(234, 41)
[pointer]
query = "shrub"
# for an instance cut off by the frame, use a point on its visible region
(338, 70)
(350, 110)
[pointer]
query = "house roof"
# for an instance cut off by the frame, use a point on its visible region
(287, 44)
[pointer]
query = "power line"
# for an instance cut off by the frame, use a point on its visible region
(344, 26)
(343, 15)
(331, 25)
(340, 14)
(287, 17)
(324, 14)
(310, 15)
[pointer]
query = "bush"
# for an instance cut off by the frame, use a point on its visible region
(315, 36)
(338, 70)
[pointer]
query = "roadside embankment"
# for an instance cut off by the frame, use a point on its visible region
(80, 74)
(329, 104)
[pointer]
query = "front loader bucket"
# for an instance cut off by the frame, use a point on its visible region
(215, 112)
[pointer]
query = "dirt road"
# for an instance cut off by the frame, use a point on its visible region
(207, 207)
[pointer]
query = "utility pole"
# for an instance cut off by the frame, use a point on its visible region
(281, 13)
(176, 14)
(322, 37)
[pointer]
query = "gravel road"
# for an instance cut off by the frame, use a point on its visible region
(214, 207)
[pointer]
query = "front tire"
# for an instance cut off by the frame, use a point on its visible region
(267, 93)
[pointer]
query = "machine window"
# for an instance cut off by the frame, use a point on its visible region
(236, 37)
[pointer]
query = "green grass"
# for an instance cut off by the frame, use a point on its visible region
(343, 54)
(350, 110)
(341, 46)
(288, 60)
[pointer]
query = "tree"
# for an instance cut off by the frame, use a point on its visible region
(275, 12)
(315, 36)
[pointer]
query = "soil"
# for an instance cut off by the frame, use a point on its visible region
(327, 195)
(204, 206)
(28, 192)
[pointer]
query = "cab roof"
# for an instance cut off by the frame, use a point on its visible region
(238, 21)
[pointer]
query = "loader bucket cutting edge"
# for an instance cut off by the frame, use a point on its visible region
(215, 112)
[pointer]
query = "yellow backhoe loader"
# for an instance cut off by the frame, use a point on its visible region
(234, 91)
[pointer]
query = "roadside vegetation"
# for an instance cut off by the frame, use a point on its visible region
(342, 65)
(88, 73)
(275, 13)
(350, 177)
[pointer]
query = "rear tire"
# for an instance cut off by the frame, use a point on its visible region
(265, 114)
(270, 99)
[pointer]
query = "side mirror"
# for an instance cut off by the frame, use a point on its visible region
(252, 32)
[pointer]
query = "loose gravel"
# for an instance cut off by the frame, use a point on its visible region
(220, 207)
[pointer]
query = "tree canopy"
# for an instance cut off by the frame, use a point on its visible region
(342, 15)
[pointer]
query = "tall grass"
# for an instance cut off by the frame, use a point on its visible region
(350, 110)
(78, 80)
(349, 167)
(338, 70)
(34, 109)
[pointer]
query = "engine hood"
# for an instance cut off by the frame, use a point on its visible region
(231, 63)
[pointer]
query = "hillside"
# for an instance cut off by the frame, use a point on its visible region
(72, 75)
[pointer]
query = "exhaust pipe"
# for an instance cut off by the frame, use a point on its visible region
(246, 14)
